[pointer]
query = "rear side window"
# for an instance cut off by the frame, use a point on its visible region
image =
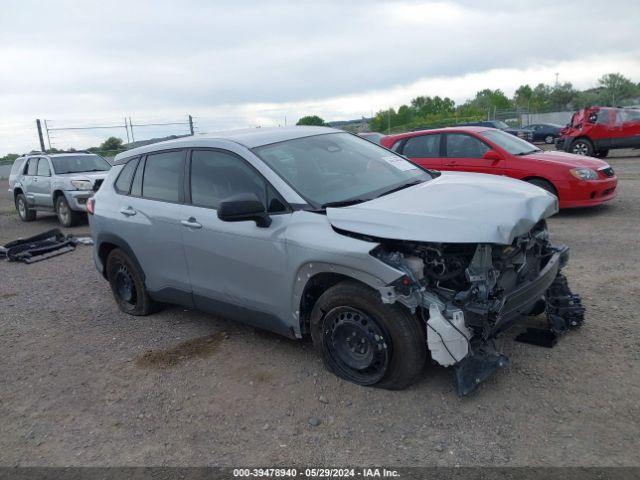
(216, 176)
(423, 146)
(123, 183)
(18, 166)
(32, 168)
(43, 168)
(162, 176)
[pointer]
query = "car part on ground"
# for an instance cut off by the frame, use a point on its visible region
(381, 262)
(41, 247)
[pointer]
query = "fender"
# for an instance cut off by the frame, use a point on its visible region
(119, 243)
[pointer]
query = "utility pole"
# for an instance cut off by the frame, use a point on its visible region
(131, 128)
(42, 149)
(557, 79)
(46, 130)
(126, 129)
(191, 125)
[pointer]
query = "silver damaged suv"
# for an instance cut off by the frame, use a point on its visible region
(310, 231)
(56, 182)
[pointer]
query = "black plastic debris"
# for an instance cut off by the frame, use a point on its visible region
(39, 247)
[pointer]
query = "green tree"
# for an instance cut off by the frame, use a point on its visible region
(487, 98)
(111, 144)
(311, 120)
(522, 96)
(617, 87)
(8, 159)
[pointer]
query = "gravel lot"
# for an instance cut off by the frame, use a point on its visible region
(83, 384)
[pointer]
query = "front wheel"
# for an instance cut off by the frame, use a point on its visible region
(582, 146)
(365, 341)
(543, 184)
(601, 153)
(66, 216)
(548, 139)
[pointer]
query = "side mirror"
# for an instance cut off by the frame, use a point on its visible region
(492, 155)
(243, 207)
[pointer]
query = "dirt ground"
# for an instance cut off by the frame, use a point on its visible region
(83, 384)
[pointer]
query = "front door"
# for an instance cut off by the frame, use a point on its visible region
(236, 268)
(463, 152)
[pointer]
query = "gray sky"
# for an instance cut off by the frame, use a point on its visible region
(236, 64)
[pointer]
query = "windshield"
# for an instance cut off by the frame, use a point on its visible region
(508, 142)
(79, 163)
(500, 125)
(339, 167)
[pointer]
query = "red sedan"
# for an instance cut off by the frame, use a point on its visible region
(577, 181)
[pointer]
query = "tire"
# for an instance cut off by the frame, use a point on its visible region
(581, 146)
(601, 153)
(549, 139)
(543, 184)
(26, 214)
(66, 216)
(365, 341)
(127, 285)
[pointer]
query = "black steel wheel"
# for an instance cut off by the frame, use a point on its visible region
(366, 341)
(356, 345)
(127, 285)
(581, 146)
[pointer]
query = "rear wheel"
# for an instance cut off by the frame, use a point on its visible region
(543, 184)
(365, 341)
(548, 139)
(127, 285)
(581, 146)
(26, 214)
(66, 216)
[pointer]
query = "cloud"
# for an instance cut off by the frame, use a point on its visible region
(93, 59)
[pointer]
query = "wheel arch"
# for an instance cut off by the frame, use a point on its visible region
(538, 177)
(314, 278)
(106, 243)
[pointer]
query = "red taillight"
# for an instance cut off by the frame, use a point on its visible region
(90, 205)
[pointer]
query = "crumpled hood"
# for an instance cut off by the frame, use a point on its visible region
(568, 159)
(452, 208)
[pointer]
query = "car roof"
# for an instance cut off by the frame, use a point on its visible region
(249, 138)
(461, 128)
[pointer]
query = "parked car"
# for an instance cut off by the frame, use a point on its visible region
(544, 132)
(310, 231)
(518, 132)
(575, 180)
(60, 183)
(593, 131)
(374, 137)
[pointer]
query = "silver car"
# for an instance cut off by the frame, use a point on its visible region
(59, 183)
(310, 231)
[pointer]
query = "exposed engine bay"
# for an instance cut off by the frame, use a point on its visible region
(468, 294)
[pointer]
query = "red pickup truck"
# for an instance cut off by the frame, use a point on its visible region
(577, 181)
(594, 131)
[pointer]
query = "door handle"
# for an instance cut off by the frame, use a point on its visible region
(191, 223)
(128, 212)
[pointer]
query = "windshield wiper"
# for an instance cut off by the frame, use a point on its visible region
(343, 203)
(529, 152)
(401, 187)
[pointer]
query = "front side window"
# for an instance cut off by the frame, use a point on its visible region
(339, 167)
(508, 142)
(423, 146)
(43, 168)
(162, 176)
(79, 163)
(460, 145)
(216, 176)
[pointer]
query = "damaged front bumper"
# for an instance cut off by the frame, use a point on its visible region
(462, 327)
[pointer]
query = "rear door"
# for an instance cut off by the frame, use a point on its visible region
(626, 128)
(149, 220)
(424, 150)
(30, 182)
(463, 152)
(41, 186)
(236, 268)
